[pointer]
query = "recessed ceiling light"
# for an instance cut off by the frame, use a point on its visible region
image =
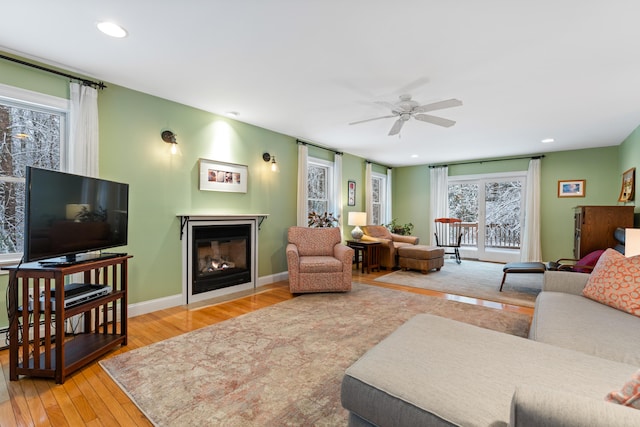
(547, 140)
(232, 113)
(414, 156)
(111, 29)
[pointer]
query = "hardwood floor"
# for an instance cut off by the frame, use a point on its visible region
(89, 397)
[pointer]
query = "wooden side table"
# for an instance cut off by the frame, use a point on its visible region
(370, 254)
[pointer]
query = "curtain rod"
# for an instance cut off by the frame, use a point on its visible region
(298, 141)
(86, 82)
(486, 161)
(374, 163)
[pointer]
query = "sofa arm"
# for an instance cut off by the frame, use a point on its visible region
(405, 239)
(534, 406)
(564, 281)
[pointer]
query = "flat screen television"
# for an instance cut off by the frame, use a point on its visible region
(68, 218)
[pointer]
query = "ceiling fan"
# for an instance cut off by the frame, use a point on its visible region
(407, 108)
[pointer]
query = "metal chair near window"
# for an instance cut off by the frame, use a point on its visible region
(448, 232)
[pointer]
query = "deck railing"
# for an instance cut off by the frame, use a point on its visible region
(496, 235)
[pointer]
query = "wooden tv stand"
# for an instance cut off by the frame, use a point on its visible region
(38, 342)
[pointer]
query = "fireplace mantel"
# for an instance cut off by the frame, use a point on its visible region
(185, 218)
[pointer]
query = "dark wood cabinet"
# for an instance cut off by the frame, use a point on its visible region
(40, 343)
(594, 227)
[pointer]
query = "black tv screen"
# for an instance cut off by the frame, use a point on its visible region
(69, 215)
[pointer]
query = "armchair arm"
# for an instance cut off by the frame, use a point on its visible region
(564, 281)
(545, 407)
(344, 253)
(385, 242)
(405, 239)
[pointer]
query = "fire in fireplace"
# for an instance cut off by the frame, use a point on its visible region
(222, 256)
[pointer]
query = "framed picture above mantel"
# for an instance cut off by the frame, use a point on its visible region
(221, 176)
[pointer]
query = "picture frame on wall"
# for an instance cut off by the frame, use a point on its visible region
(628, 189)
(572, 188)
(222, 176)
(351, 193)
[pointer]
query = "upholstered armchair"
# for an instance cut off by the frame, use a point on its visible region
(390, 243)
(317, 260)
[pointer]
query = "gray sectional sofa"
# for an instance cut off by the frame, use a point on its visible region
(434, 371)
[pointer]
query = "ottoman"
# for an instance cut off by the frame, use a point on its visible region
(420, 257)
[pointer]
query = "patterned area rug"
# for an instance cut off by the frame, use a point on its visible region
(281, 365)
(473, 279)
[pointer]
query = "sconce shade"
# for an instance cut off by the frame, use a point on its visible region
(631, 242)
(357, 219)
(170, 138)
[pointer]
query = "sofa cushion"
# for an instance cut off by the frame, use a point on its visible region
(437, 371)
(615, 281)
(578, 323)
(629, 395)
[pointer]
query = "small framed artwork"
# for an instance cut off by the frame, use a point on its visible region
(573, 188)
(627, 192)
(221, 176)
(351, 193)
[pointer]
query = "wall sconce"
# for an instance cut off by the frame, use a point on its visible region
(170, 138)
(357, 219)
(271, 158)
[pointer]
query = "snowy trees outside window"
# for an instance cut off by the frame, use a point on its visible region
(29, 136)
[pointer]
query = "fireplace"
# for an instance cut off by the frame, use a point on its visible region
(219, 255)
(222, 256)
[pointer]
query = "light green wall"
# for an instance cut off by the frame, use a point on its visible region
(163, 185)
(629, 157)
(599, 167)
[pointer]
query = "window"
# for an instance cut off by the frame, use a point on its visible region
(320, 186)
(32, 133)
(379, 198)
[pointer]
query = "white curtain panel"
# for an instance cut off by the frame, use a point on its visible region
(389, 209)
(337, 184)
(368, 193)
(530, 250)
(83, 130)
(439, 196)
(303, 184)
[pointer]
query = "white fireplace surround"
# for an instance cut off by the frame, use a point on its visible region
(187, 225)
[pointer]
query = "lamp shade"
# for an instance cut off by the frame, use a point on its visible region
(357, 218)
(631, 242)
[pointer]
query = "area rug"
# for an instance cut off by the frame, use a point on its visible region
(281, 365)
(473, 279)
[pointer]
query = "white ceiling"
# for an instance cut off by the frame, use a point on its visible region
(525, 70)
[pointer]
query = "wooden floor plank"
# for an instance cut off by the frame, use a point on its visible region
(90, 398)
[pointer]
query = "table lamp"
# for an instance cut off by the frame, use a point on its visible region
(357, 219)
(631, 241)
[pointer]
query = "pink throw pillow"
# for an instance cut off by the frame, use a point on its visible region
(629, 395)
(615, 281)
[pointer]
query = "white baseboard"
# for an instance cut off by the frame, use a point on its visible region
(150, 306)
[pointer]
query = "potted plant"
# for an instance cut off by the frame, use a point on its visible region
(321, 220)
(401, 229)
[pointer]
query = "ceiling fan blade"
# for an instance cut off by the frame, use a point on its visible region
(435, 120)
(438, 105)
(370, 120)
(395, 129)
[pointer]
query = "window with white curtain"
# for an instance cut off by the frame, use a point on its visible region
(320, 186)
(32, 133)
(379, 198)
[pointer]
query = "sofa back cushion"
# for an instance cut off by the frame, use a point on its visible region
(378, 231)
(615, 281)
(314, 241)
